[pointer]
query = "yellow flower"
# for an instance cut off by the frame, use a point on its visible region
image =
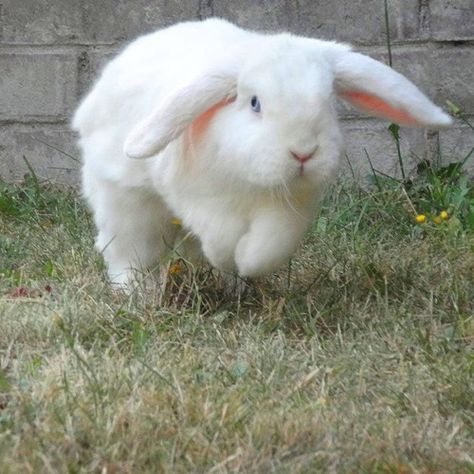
(437, 220)
(420, 218)
(444, 215)
(175, 269)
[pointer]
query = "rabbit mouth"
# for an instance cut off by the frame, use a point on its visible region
(301, 172)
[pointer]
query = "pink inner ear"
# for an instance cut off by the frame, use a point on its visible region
(200, 123)
(378, 107)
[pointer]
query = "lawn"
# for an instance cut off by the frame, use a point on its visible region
(358, 357)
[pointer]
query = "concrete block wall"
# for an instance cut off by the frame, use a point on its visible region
(51, 50)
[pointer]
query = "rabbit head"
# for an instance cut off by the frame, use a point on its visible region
(281, 123)
(266, 115)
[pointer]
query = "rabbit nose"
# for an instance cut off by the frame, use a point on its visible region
(301, 157)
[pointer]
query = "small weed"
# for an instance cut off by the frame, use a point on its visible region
(435, 194)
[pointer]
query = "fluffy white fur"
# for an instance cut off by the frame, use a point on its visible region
(230, 177)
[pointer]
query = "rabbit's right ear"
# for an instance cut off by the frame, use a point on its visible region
(177, 111)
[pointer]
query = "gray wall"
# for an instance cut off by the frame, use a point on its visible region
(50, 51)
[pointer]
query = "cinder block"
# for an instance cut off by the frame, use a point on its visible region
(41, 21)
(110, 21)
(456, 143)
(443, 73)
(46, 148)
(452, 20)
(358, 22)
(37, 86)
(373, 136)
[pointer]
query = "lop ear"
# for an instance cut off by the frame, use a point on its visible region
(177, 111)
(378, 90)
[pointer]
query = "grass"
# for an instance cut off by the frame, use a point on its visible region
(358, 358)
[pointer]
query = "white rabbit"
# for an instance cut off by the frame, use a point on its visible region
(241, 138)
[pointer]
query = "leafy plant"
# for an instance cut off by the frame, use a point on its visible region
(440, 191)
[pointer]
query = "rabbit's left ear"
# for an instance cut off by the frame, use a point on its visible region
(380, 91)
(177, 111)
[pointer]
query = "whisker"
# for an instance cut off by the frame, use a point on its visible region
(287, 195)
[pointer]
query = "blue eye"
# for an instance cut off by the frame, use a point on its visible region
(255, 103)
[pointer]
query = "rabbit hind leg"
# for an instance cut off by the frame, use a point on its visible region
(135, 230)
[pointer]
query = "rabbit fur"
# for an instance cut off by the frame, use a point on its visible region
(230, 131)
